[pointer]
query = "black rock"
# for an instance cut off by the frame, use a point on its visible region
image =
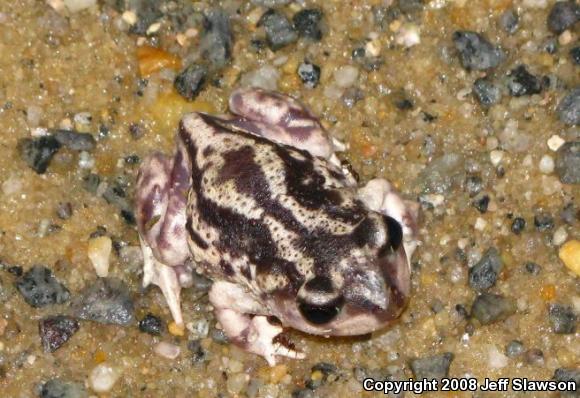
(433, 367)
(279, 31)
(152, 325)
(404, 104)
(490, 308)
(543, 222)
(75, 140)
(57, 388)
(197, 351)
(307, 23)
(514, 348)
(568, 162)
(56, 330)
(107, 300)
(563, 15)
(575, 55)
(15, 270)
(482, 203)
(148, 11)
(509, 21)
(518, 225)
(532, 268)
(473, 185)
(40, 288)
(38, 152)
(190, 81)
(64, 210)
(476, 52)
(486, 92)
(520, 82)
(568, 109)
(309, 74)
(568, 374)
(217, 41)
(562, 319)
(483, 275)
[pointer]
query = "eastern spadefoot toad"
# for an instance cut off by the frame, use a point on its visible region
(259, 202)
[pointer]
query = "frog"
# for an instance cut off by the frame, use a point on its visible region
(258, 201)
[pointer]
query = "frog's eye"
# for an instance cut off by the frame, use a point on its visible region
(321, 314)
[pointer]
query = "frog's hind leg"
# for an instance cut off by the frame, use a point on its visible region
(236, 311)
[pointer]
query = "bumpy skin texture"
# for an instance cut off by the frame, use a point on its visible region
(261, 205)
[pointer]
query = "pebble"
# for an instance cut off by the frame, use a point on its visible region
(482, 204)
(568, 162)
(490, 308)
(408, 35)
(346, 76)
(476, 52)
(555, 142)
(473, 185)
(75, 140)
(496, 157)
(279, 30)
(265, 77)
(442, 174)
(38, 152)
(217, 41)
(40, 288)
(534, 356)
(106, 300)
(486, 92)
(568, 374)
(563, 15)
(103, 377)
(520, 82)
(518, 225)
(480, 224)
(569, 253)
(560, 236)
(64, 210)
(99, 251)
(568, 109)
(196, 348)
(509, 21)
(532, 268)
(543, 222)
(55, 331)
(546, 164)
(562, 319)
(432, 367)
(307, 23)
(309, 74)
(190, 81)
(575, 55)
(152, 325)
(148, 11)
(167, 350)
(483, 275)
(514, 348)
(57, 388)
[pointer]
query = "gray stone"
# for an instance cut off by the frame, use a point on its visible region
(564, 15)
(57, 388)
(562, 319)
(217, 40)
(189, 82)
(568, 109)
(433, 367)
(38, 152)
(490, 308)
(40, 288)
(476, 52)
(75, 140)
(107, 300)
(568, 163)
(279, 30)
(442, 174)
(483, 275)
(486, 92)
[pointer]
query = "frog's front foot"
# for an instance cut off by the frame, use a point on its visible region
(238, 313)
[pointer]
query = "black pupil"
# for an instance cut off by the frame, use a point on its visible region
(395, 232)
(319, 314)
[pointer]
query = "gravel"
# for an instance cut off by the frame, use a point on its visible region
(309, 74)
(107, 300)
(217, 41)
(476, 52)
(562, 319)
(509, 21)
(307, 23)
(568, 163)
(520, 82)
(198, 354)
(40, 288)
(57, 388)
(543, 221)
(55, 331)
(38, 152)
(74, 140)
(279, 30)
(490, 308)
(190, 81)
(103, 377)
(152, 325)
(483, 275)
(575, 55)
(346, 76)
(482, 203)
(433, 367)
(486, 92)
(64, 210)
(568, 374)
(568, 109)
(514, 348)
(564, 15)
(442, 174)
(518, 225)
(533, 268)
(148, 11)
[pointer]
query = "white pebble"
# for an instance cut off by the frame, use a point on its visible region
(496, 359)
(480, 224)
(555, 142)
(408, 35)
(129, 17)
(79, 5)
(560, 236)
(103, 377)
(167, 350)
(346, 76)
(86, 160)
(39, 132)
(99, 251)
(373, 48)
(266, 77)
(546, 164)
(496, 157)
(83, 118)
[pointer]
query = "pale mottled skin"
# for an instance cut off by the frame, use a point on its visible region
(258, 202)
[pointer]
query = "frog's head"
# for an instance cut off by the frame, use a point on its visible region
(366, 290)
